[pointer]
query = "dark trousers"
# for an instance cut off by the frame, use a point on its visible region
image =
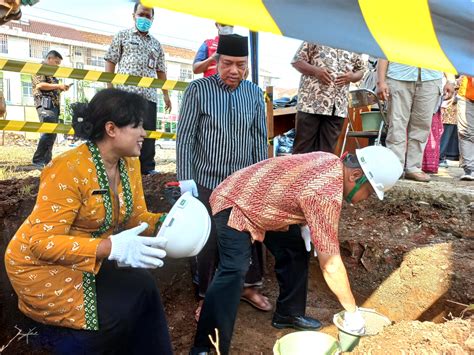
(44, 151)
(131, 317)
(205, 263)
(449, 142)
(223, 296)
(316, 132)
(147, 155)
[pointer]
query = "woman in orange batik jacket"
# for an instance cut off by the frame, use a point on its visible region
(66, 262)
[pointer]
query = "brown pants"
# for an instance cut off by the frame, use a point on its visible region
(316, 132)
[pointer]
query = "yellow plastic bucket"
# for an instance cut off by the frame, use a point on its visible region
(306, 343)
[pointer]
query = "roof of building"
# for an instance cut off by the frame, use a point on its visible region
(64, 32)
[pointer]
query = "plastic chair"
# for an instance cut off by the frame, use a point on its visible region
(363, 98)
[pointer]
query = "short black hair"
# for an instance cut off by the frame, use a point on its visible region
(109, 105)
(351, 161)
(53, 53)
(136, 7)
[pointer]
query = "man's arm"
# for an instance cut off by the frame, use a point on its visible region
(335, 275)
(109, 68)
(50, 87)
(383, 90)
(305, 68)
(202, 61)
(113, 55)
(39, 82)
(449, 87)
(301, 62)
(166, 97)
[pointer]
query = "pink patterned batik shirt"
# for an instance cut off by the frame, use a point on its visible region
(277, 192)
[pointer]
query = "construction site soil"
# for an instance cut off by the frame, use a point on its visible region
(409, 257)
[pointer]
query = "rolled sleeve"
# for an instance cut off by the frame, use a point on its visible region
(303, 53)
(37, 79)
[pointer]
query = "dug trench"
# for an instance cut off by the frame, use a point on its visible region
(410, 257)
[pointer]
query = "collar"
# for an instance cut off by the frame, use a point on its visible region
(137, 32)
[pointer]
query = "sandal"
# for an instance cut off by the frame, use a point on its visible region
(256, 299)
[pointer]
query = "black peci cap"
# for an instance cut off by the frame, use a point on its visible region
(233, 45)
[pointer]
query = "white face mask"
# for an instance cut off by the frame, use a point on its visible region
(226, 30)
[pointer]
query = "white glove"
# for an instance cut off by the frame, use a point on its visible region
(188, 185)
(306, 235)
(354, 322)
(129, 248)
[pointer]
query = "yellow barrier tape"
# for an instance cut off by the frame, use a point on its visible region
(61, 128)
(169, 84)
(89, 75)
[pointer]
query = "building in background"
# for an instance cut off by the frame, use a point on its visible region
(29, 40)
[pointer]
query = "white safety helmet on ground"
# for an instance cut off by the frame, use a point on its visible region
(187, 227)
(381, 167)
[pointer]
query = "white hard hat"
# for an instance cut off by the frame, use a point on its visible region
(381, 167)
(187, 227)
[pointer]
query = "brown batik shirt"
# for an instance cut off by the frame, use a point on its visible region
(315, 97)
(137, 54)
(38, 94)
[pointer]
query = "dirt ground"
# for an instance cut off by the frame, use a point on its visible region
(410, 257)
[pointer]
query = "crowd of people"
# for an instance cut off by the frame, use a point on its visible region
(91, 213)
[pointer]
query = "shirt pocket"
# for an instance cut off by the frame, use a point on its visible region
(130, 47)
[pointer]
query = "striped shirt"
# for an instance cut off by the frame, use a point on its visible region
(220, 130)
(278, 192)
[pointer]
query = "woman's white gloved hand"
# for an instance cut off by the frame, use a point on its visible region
(188, 185)
(354, 322)
(129, 248)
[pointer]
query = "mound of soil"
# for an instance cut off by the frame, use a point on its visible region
(410, 257)
(453, 337)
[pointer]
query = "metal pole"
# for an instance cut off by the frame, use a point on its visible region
(254, 55)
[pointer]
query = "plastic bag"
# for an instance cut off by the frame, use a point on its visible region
(285, 142)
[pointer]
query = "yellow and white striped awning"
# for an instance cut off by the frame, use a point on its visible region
(435, 34)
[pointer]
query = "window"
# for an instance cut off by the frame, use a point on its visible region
(79, 51)
(39, 49)
(185, 73)
(95, 58)
(3, 44)
(26, 89)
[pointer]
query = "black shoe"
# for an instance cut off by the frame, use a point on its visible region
(39, 165)
(295, 322)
